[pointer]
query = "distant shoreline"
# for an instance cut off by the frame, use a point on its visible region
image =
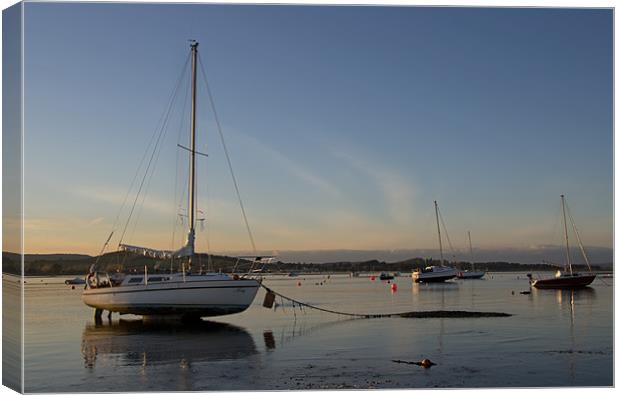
(362, 275)
(78, 265)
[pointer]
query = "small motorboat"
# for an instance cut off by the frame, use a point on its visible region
(75, 281)
(433, 274)
(386, 276)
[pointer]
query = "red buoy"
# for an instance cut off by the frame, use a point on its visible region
(299, 283)
(372, 278)
(394, 287)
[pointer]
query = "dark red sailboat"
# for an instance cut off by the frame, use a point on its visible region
(567, 278)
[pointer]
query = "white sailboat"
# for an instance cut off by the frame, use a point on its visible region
(435, 273)
(470, 274)
(184, 294)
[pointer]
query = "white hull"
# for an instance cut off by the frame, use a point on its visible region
(469, 275)
(434, 274)
(193, 298)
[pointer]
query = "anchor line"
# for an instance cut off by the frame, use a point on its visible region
(410, 314)
(283, 297)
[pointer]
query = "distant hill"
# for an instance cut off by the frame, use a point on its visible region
(409, 265)
(46, 257)
(530, 255)
(76, 264)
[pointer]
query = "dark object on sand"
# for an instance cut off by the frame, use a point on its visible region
(452, 314)
(425, 363)
(525, 292)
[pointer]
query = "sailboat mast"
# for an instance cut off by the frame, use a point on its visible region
(471, 251)
(570, 266)
(192, 161)
(438, 232)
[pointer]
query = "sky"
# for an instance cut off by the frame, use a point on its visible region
(343, 124)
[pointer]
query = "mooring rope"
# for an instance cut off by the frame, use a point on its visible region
(409, 314)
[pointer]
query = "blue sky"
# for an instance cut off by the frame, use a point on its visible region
(344, 123)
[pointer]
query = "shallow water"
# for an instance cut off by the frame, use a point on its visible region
(554, 338)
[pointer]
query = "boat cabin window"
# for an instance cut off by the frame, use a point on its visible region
(154, 279)
(135, 280)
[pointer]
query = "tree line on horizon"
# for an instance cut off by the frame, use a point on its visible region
(130, 262)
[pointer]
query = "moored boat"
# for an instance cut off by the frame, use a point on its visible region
(75, 281)
(467, 274)
(176, 294)
(567, 278)
(386, 276)
(564, 279)
(470, 274)
(435, 273)
(183, 294)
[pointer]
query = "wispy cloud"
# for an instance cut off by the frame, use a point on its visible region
(397, 191)
(293, 167)
(49, 224)
(95, 221)
(116, 197)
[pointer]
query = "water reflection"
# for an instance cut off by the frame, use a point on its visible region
(141, 344)
(434, 287)
(566, 300)
(296, 330)
(570, 296)
(270, 341)
(440, 289)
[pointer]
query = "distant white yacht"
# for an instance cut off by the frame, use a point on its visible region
(470, 274)
(435, 273)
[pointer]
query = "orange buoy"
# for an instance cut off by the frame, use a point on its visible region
(299, 283)
(394, 287)
(426, 363)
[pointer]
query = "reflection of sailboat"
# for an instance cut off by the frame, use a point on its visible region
(185, 294)
(568, 278)
(569, 294)
(435, 273)
(138, 343)
(587, 294)
(435, 287)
